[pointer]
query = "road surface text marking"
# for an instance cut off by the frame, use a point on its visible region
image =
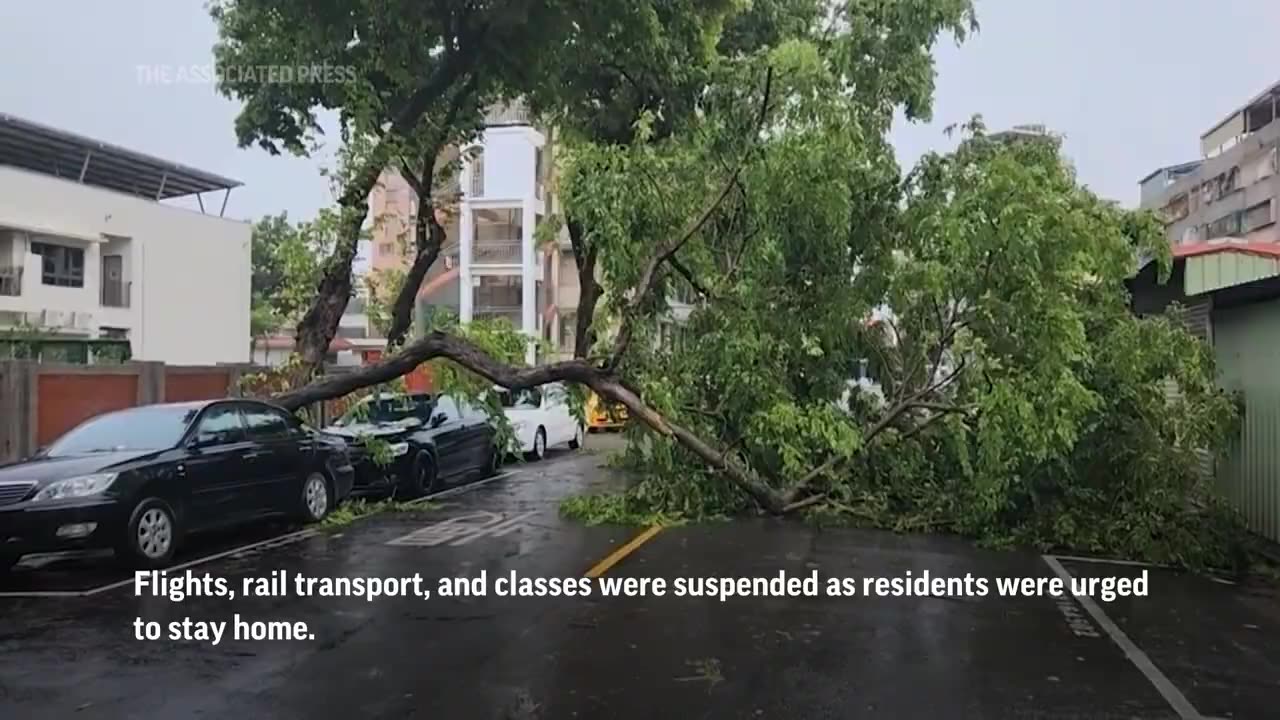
(463, 529)
(617, 556)
(1167, 690)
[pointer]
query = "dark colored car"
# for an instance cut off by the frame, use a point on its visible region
(425, 442)
(138, 480)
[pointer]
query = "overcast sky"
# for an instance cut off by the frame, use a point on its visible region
(1131, 83)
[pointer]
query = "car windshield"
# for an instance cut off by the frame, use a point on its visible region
(515, 399)
(384, 409)
(155, 427)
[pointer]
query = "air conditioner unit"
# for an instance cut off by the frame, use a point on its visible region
(53, 318)
(82, 320)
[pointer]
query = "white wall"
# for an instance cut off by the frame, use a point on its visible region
(509, 162)
(190, 271)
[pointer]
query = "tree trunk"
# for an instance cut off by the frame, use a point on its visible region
(606, 385)
(589, 292)
(430, 238)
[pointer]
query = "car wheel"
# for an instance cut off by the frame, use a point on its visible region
(579, 439)
(424, 479)
(495, 461)
(316, 499)
(151, 536)
(539, 446)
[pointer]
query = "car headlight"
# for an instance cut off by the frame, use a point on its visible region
(75, 487)
(398, 449)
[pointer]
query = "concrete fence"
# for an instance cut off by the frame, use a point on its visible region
(41, 401)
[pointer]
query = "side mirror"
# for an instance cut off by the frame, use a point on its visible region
(200, 442)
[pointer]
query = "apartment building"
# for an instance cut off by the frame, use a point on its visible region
(89, 250)
(491, 266)
(1231, 191)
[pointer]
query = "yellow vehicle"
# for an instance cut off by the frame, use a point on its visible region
(604, 416)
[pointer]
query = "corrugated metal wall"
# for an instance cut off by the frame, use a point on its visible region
(1196, 317)
(1247, 343)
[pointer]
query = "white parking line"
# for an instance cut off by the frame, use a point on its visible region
(1109, 561)
(279, 540)
(1167, 690)
(462, 489)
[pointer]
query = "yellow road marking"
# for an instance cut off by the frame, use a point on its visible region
(616, 556)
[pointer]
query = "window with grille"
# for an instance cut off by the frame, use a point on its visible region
(60, 265)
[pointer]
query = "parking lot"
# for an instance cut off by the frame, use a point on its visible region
(1196, 648)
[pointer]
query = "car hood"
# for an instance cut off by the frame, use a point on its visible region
(48, 469)
(378, 430)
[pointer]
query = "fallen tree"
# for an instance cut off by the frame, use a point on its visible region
(743, 162)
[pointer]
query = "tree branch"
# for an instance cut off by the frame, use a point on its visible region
(649, 276)
(429, 234)
(319, 324)
(608, 386)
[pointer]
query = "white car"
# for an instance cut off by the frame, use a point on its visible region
(541, 419)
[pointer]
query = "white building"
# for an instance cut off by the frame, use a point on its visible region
(501, 270)
(87, 250)
(492, 265)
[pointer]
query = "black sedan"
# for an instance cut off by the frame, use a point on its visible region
(138, 480)
(413, 445)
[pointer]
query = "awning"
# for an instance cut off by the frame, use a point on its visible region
(1217, 265)
(66, 155)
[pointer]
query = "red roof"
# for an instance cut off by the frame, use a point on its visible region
(1264, 249)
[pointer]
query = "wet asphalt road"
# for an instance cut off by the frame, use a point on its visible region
(1216, 646)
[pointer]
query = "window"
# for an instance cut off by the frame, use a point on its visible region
(568, 331)
(220, 425)
(112, 333)
(1225, 226)
(1258, 216)
(60, 265)
(474, 414)
(422, 405)
(556, 395)
(150, 427)
(528, 398)
(448, 407)
(266, 423)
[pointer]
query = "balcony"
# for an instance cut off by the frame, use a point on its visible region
(504, 252)
(513, 113)
(11, 281)
(494, 312)
(116, 293)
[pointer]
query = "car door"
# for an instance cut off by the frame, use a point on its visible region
(479, 436)
(214, 469)
(450, 435)
(556, 403)
(276, 460)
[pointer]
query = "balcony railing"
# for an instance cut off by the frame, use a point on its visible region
(115, 293)
(496, 253)
(514, 113)
(493, 312)
(11, 281)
